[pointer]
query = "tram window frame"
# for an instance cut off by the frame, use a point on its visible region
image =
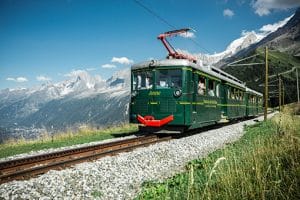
(210, 89)
(169, 79)
(252, 99)
(134, 82)
(203, 87)
(242, 95)
(232, 93)
(217, 88)
(236, 94)
(140, 80)
(228, 93)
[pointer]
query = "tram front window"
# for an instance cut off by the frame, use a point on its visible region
(169, 78)
(142, 80)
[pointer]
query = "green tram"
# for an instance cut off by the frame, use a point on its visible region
(175, 95)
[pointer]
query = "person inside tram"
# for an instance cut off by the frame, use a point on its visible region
(211, 91)
(201, 86)
(148, 83)
(139, 81)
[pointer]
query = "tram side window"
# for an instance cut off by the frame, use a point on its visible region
(169, 79)
(236, 94)
(211, 88)
(134, 81)
(242, 95)
(228, 93)
(239, 94)
(252, 99)
(201, 85)
(218, 90)
(231, 93)
(142, 80)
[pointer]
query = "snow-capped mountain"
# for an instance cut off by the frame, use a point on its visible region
(120, 78)
(246, 40)
(282, 37)
(81, 99)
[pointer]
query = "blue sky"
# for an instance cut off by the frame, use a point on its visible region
(47, 39)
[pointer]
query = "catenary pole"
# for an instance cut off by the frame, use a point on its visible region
(297, 85)
(279, 92)
(266, 85)
(282, 93)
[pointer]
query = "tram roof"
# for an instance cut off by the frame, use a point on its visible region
(253, 92)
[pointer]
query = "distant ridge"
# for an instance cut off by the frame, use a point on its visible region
(286, 39)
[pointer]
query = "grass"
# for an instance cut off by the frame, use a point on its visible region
(47, 141)
(263, 164)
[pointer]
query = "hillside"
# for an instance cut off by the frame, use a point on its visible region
(255, 75)
(284, 49)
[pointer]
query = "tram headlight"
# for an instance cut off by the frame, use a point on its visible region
(177, 93)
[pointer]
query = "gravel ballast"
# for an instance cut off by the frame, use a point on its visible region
(121, 176)
(43, 151)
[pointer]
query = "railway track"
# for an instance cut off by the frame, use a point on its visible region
(28, 167)
(25, 168)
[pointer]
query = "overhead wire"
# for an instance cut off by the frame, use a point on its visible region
(167, 23)
(154, 13)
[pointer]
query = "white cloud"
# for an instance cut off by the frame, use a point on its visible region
(108, 66)
(18, 79)
(122, 60)
(265, 7)
(43, 78)
(187, 35)
(228, 13)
